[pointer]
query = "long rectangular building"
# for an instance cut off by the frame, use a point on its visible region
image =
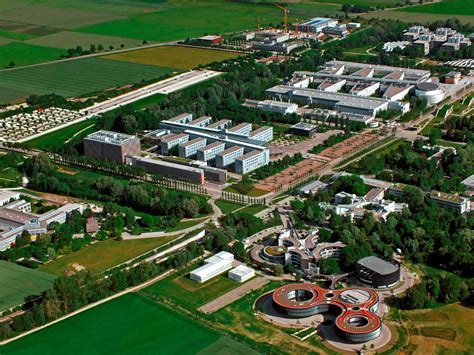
(191, 147)
(249, 162)
(228, 156)
(264, 134)
(171, 141)
(243, 128)
(210, 151)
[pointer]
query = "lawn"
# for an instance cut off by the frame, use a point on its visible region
(173, 56)
(447, 7)
(203, 17)
(15, 35)
(185, 224)
(104, 255)
(189, 294)
(446, 329)
(24, 54)
(55, 140)
(382, 3)
(131, 324)
(242, 189)
(415, 17)
(253, 209)
(228, 207)
(18, 282)
(74, 78)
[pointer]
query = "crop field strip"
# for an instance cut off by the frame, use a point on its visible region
(24, 54)
(447, 7)
(173, 56)
(74, 77)
(143, 325)
(18, 282)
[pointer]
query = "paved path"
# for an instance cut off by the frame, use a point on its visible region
(233, 295)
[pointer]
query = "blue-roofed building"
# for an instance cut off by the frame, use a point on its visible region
(317, 24)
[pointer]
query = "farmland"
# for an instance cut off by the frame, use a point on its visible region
(130, 324)
(101, 256)
(361, 2)
(73, 78)
(18, 282)
(447, 7)
(173, 56)
(23, 54)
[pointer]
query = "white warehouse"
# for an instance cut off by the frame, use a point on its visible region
(241, 273)
(213, 266)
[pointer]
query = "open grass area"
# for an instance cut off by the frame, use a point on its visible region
(15, 35)
(185, 224)
(253, 209)
(228, 207)
(446, 329)
(104, 255)
(415, 17)
(74, 78)
(361, 2)
(18, 282)
(23, 54)
(242, 189)
(189, 294)
(131, 324)
(173, 56)
(446, 7)
(55, 140)
(196, 18)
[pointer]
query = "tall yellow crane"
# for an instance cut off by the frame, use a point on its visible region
(286, 11)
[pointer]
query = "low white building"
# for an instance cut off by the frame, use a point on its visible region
(213, 266)
(278, 106)
(8, 196)
(241, 273)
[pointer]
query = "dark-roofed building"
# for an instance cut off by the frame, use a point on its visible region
(378, 272)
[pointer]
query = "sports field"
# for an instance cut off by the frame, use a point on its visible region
(183, 291)
(131, 324)
(18, 282)
(104, 255)
(173, 56)
(76, 77)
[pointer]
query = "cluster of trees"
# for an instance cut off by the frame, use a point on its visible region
(169, 205)
(439, 288)
(459, 129)
(356, 9)
(70, 293)
(410, 165)
(277, 166)
(78, 50)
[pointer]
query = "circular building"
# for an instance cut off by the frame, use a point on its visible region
(275, 254)
(378, 272)
(431, 92)
(353, 307)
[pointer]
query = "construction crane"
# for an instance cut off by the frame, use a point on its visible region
(286, 11)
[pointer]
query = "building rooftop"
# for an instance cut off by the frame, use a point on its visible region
(193, 141)
(316, 21)
(242, 270)
(259, 130)
(304, 126)
(199, 120)
(239, 126)
(218, 123)
(447, 197)
(179, 117)
(379, 265)
(211, 146)
(230, 150)
(248, 155)
(172, 137)
(110, 137)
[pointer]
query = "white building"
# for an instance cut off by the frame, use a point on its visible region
(172, 140)
(390, 46)
(191, 147)
(8, 196)
(241, 273)
(262, 134)
(228, 156)
(462, 204)
(210, 151)
(242, 128)
(213, 266)
(277, 106)
(250, 161)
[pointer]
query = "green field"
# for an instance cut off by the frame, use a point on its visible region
(179, 20)
(24, 54)
(447, 7)
(173, 56)
(18, 282)
(131, 324)
(228, 207)
(253, 209)
(189, 294)
(55, 140)
(361, 2)
(104, 255)
(76, 77)
(68, 39)
(15, 35)
(415, 17)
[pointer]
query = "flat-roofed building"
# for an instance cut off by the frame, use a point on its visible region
(378, 272)
(183, 118)
(210, 151)
(221, 124)
(210, 39)
(8, 196)
(277, 106)
(228, 156)
(304, 129)
(273, 46)
(469, 183)
(107, 145)
(155, 136)
(170, 141)
(213, 266)
(250, 161)
(332, 84)
(191, 147)
(364, 89)
(262, 134)
(168, 169)
(201, 121)
(317, 24)
(243, 128)
(241, 273)
(459, 203)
